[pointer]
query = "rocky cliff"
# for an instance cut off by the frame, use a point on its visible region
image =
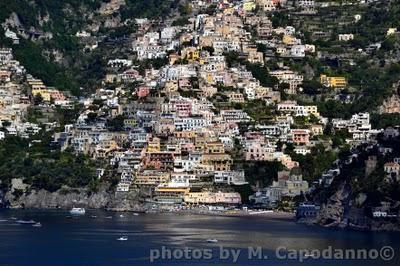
(66, 198)
(343, 210)
(2, 200)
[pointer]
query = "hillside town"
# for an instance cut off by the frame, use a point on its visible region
(192, 103)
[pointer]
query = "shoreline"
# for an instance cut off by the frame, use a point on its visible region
(278, 216)
(223, 213)
(270, 215)
(238, 213)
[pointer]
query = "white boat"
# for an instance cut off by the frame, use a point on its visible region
(77, 211)
(25, 222)
(135, 214)
(212, 240)
(121, 215)
(38, 224)
(122, 238)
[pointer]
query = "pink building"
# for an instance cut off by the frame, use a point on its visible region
(257, 152)
(182, 107)
(143, 91)
(57, 95)
(228, 198)
(300, 136)
(187, 147)
(184, 83)
(5, 75)
(130, 75)
(255, 136)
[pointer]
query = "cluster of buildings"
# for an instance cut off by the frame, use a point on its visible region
(172, 140)
(14, 99)
(359, 128)
(18, 90)
(47, 94)
(289, 184)
(159, 129)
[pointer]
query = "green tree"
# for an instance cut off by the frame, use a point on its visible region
(116, 123)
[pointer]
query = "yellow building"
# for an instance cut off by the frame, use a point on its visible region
(131, 122)
(289, 40)
(154, 145)
(209, 77)
(220, 162)
(312, 109)
(44, 92)
(215, 147)
(190, 53)
(170, 194)
(249, 6)
(171, 86)
(111, 78)
(228, 11)
(151, 178)
(333, 82)
(391, 31)
(185, 134)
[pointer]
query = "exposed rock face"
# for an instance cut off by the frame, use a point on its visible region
(111, 7)
(342, 212)
(360, 199)
(66, 199)
(332, 214)
(13, 21)
(18, 184)
(113, 22)
(390, 105)
(2, 200)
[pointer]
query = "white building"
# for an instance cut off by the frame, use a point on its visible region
(298, 51)
(230, 177)
(346, 37)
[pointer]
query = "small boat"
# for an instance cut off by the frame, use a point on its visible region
(135, 214)
(13, 218)
(3, 221)
(122, 238)
(109, 217)
(121, 215)
(25, 222)
(212, 240)
(38, 224)
(94, 216)
(77, 211)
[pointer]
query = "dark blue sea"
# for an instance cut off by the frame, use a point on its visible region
(171, 239)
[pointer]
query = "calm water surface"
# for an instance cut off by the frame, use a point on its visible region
(92, 241)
